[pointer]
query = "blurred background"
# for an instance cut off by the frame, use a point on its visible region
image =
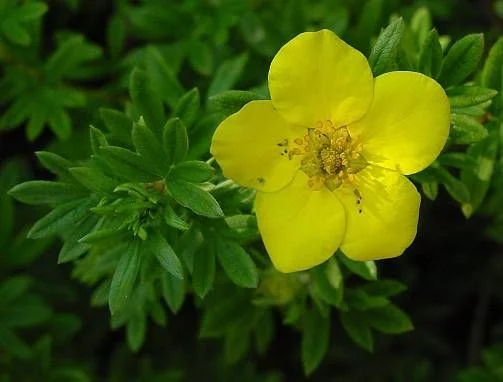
(85, 51)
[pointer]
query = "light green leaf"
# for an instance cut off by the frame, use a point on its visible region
(126, 164)
(430, 55)
(46, 192)
(491, 73)
(93, 179)
(192, 171)
(54, 163)
(464, 96)
(466, 129)
(173, 220)
(160, 248)
(365, 269)
(98, 139)
(231, 101)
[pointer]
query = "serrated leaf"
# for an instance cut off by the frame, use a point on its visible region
(203, 274)
(166, 256)
(236, 263)
(187, 108)
(176, 140)
(383, 56)
(192, 171)
(46, 192)
(430, 55)
(61, 218)
(227, 75)
(462, 59)
(231, 101)
(358, 329)
(147, 145)
(146, 100)
(194, 198)
(126, 164)
(173, 291)
(124, 278)
(315, 340)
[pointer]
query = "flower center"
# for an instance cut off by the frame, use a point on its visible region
(330, 156)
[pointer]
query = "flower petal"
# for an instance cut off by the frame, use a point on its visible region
(317, 76)
(250, 147)
(381, 216)
(407, 124)
(301, 228)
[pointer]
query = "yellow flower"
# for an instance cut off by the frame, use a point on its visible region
(328, 153)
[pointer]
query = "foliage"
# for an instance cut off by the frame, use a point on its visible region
(153, 230)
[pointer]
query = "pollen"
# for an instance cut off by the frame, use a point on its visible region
(330, 156)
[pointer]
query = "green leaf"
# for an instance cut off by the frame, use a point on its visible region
(368, 23)
(13, 288)
(124, 278)
(227, 75)
(61, 218)
(384, 288)
(324, 288)
(176, 140)
(97, 138)
(430, 55)
(146, 100)
(389, 319)
(454, 186)
(456, 160)
(54, 163)
(478, 178)
(194, 198)
(204, 270)
(12, 344)
(46, 192)
(420, 24)
(118, 123)
(173, 220)
(358, 299)
(136, 331)
(15, 32)
(27, 312)
(491, 73)
(72, 247)
(430, 190)
(147, 145)
(93, 179)
(160, 248)
(364, 269)
(464, 96)
(315, 340)
(236, 263)
(231, 101)
(31, 11)
(60, 123)
(116, 35)
(187, 108)
(173, 291)
(466, 129)
(192, 171)
(126, 164)
(462, 59)
(358, 329)
(385, 51)
(201, 57)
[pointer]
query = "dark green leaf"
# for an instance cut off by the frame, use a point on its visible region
(466, 129)
(98, 139)
(146, 100)
(464, 96)
(365, 269)
(147, 145)
(227, 75)
(231, 101)
(204, 270)
(358, 329)
(315, 340)
(491, 73)
(201, 57)
(136, 330)
(173, 291)
(195, 198)
(454, 186)
(389, 319)
(93, 179)
(124, 278)
(384, 288)
(45, 192)
(160, 248)
(187, 108)
(176, 140)
(61, 218)
(54, 163)
(73, 248)
(430, 55)
(173, 220)
(192, 171)
(12, 344)
(13, 288)
(236, 263)
(118, 123)
(462, 59)
(126, 164)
